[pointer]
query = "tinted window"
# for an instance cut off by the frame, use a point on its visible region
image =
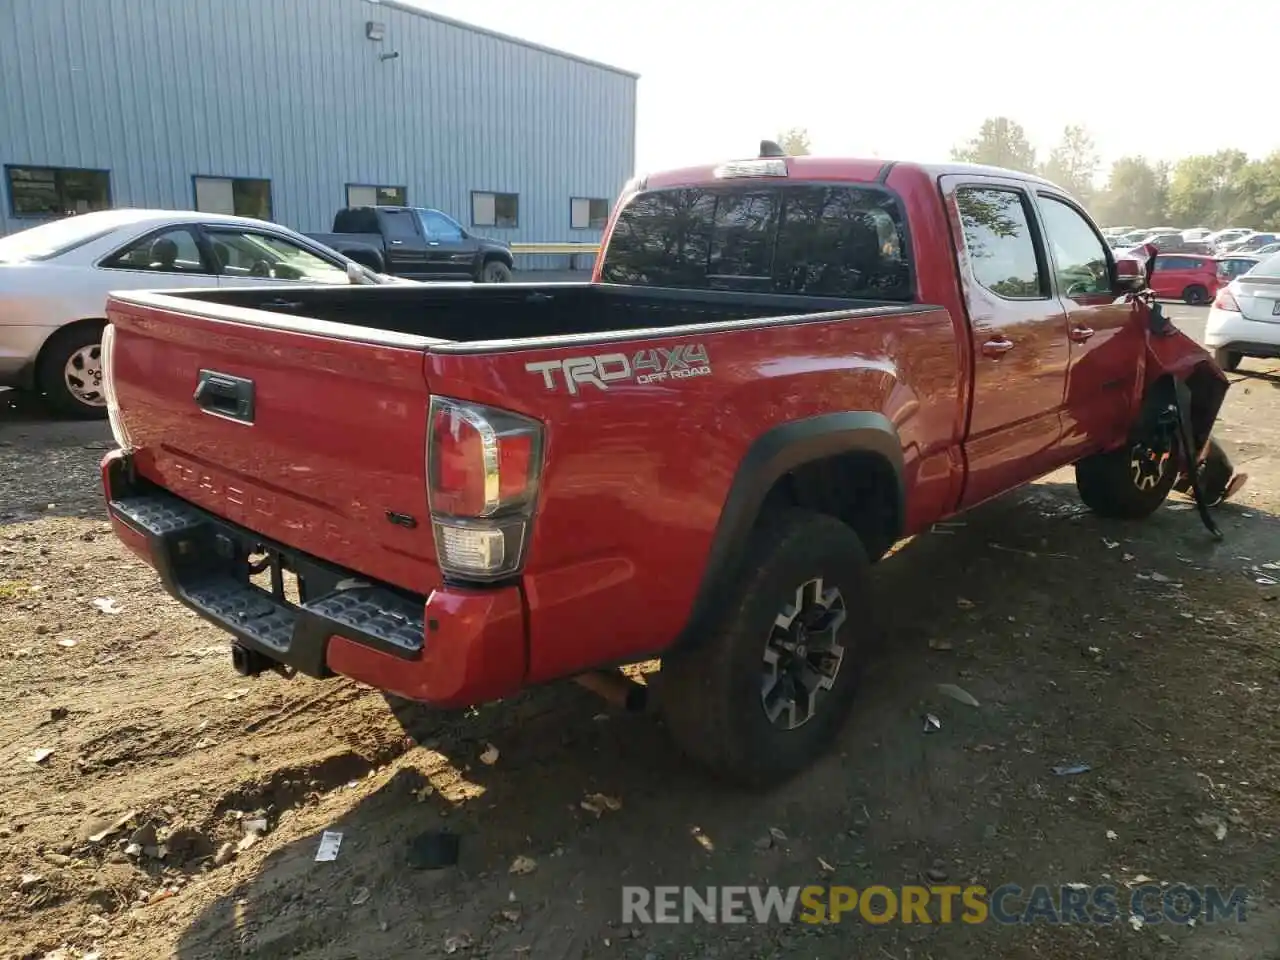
(836, 241)
(398, 225)
(824, 241)
(173, 251)
(742, 238)
(999, 242)
(439, 227)
(57, 191)
(1174, 263)
(1080, 258)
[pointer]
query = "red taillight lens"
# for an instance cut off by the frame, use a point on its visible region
(482, 478)
(456, 457)
(1225, 301)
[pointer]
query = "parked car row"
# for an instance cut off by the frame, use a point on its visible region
(1198, 240)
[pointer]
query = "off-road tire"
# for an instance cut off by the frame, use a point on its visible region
(1106, 485)
(710, 694)
(50, 371)
(1195, 295)
(495, 271)
(1228, 360)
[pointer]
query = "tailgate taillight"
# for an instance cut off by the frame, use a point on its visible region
(107, 360)
(483, 466)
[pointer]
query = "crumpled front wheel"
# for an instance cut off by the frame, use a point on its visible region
(1129, 483)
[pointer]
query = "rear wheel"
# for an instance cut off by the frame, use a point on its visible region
(1228, 360)
(495, 271)
(766, 690)
(1196, 295)
(69, 372)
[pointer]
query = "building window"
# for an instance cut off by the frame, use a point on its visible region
(57, 191)
(495, 209)
(368, 195)
(235, 196)
(588, 213)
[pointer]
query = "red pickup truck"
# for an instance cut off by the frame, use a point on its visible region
(782, 366)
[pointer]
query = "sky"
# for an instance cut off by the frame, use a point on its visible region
(909, 79)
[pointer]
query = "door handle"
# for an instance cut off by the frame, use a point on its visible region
(433, 243)
(995, 349)
(1081, 334)
(396, 243)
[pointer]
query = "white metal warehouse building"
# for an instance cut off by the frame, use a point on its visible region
(290, 109)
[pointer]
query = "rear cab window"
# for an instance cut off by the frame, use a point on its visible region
(830, 240)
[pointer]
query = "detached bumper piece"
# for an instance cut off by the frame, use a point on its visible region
(206, 563)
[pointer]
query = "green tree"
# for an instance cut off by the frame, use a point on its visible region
(1207, 189)
(794, 142)
(1000, 143)
(1256, 195)
(1073, 163)
(1137, 193)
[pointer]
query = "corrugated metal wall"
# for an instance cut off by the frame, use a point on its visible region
(158, 91)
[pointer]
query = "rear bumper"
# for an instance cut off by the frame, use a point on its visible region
(453, 648)
(1228, 328)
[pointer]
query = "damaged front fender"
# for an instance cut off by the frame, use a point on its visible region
(1173, 357)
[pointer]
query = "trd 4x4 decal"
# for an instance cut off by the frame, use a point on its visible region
(646, 366)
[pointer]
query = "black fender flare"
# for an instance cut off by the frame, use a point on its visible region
(771, 456)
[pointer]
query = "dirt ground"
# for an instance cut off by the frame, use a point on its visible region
(1146, 651)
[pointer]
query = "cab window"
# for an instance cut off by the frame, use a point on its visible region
(1079, 255)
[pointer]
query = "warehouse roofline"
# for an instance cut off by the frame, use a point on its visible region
(420, 12)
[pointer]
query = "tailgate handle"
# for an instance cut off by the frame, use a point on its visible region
(225, 396)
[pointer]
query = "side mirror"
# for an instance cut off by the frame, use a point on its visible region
(1131, 276)
(357, 273)
(1133, 268)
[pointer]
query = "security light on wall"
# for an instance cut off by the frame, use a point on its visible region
(375, 30)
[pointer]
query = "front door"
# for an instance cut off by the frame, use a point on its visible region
(1019, 332)
(255, 258)
(1107, 338)
(450, 255)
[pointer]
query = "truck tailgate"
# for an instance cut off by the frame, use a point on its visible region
(307, 438)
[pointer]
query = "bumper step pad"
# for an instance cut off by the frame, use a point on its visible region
(189, 549)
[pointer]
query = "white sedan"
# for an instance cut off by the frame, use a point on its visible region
(1245, 318)
(55, 278)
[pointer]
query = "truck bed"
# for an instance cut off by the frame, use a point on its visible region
(497, 315)
(302, 420)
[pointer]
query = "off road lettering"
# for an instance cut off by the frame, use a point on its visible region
(646, 366)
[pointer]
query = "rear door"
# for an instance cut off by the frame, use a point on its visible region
(1019, 329)
(406, 246)
(451, 254)
(1168, 276)
(1106, 339)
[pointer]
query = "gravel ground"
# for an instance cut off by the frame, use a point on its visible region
(155, 804)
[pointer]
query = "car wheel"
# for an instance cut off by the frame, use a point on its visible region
(768, 686)
(495, 271)
(69, 372)
(1195, 295)
(1228, 360)
(1129, 483)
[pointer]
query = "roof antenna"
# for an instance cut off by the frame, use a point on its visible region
(770, 149)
